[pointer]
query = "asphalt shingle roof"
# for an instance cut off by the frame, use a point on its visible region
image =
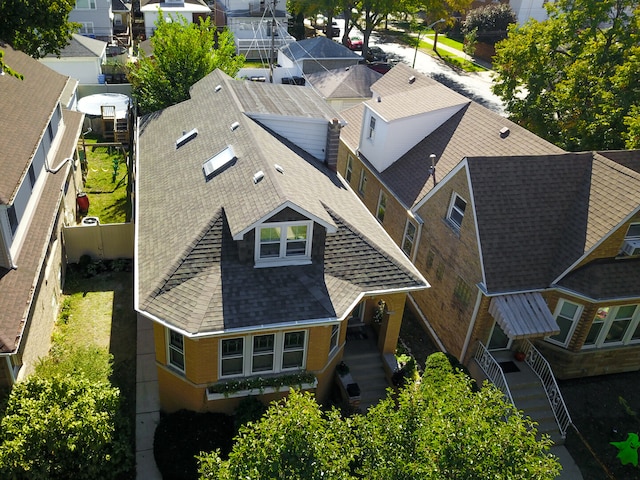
(189, 272)
(317, 47)
(537, 216)
(351, 82)
(81, 46)
(27, 108)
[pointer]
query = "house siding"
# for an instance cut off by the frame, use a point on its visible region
(443, 256)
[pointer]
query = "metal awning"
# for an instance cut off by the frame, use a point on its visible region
(523, 315)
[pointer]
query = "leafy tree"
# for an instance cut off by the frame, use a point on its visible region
(37, 27)
(183, 53)
(436, 427)
(574, 79)
(490, 21)
(440, 428)
(294, 439)
(62, 427)
(371, 14)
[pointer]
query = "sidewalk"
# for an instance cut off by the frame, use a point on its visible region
(147, 402)
(453, 51)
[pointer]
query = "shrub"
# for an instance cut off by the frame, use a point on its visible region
(491, 22)
(250, 409)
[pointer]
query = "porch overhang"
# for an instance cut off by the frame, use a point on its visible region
(523, 315)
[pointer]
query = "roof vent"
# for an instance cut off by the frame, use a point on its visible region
(278, 168)
(259, 175)
(504, 132)
(412, 79)
(234, 125)
(190, 135)
(218, 161)
(218, 88)
(379, 98)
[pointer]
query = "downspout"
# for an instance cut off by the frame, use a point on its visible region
(471, 325)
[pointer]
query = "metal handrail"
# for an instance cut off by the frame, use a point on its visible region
(542, 369)
(492, 370)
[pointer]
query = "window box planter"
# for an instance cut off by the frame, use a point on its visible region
(260, 386)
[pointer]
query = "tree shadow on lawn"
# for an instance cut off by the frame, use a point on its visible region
(123, 331)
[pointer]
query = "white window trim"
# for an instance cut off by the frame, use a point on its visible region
(632, 237)
(606, 325)
(371, 132)
(170, 348)
(91, 3)
(404, 237)
(335, 333)
(362, 183)
(278, 354)
(282, 259)
(380, 197)
(348, 171)
(86, 28)
(452, 207)
(572, 328)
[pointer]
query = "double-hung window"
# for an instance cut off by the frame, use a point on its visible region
(382, 206)
(409, 238)
(456, 211)
(349, 169)
(86, 4)
(335, 336)
(611, 326)
(372, 127)
(232, 357)
(284, 241)
(567, 316)
(86, 28)
(362, 185)
(176, 350)
(263, 354)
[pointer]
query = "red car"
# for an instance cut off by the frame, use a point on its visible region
(354, 43)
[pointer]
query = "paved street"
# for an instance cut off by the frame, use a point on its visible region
(474, 85)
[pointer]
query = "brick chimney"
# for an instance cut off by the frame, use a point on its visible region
(333, 140)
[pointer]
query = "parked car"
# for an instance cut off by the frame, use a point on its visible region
(333, 32)
(376, 54)
(354, 43)
(380, 67)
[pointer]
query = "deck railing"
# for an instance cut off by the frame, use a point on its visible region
(492, 370)
(542, 369)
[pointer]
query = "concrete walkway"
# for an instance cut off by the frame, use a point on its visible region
(147, 402)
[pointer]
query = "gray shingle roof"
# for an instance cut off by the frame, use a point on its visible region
(350, 82)
(189, 273)
(81, 46)
(473, 131)
(26, 110)
(606, 279)
(538, 215)
(317, 47)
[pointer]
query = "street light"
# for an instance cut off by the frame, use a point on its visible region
(418, 42)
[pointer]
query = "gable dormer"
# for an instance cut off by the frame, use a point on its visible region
(286, 238)
(393, 124)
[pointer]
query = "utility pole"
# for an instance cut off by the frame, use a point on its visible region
(273, 40)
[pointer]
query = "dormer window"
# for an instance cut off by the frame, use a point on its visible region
(284, 243)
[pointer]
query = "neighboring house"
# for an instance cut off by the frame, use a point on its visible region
(122, 21)
(191, 10)
(344, 87)
(252, 24)
(519, 239)
(81, 59)
(251, 254)
(526, 10)
(315, 55)
(95, 18)
(38, 186)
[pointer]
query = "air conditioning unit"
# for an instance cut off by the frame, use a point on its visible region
(631, 247)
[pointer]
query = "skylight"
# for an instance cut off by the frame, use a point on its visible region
(218, 161)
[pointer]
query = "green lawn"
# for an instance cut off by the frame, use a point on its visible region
(106, 183)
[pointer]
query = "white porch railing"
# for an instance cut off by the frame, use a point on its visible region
(542, 369)
(492, 370)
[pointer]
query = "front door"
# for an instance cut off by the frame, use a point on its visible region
(498, 339)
